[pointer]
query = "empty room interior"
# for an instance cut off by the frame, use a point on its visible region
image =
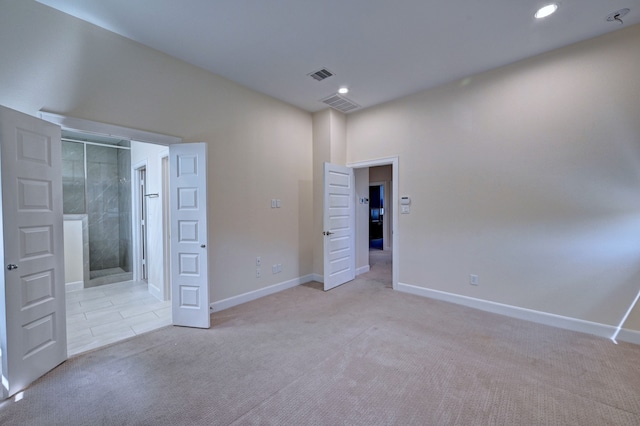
(482, 265)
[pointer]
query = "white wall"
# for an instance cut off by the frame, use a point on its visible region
(259, 147)
(527, 175)
(73, 254)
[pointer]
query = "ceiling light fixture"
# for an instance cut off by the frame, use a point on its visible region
(343, 90)
(545, 11)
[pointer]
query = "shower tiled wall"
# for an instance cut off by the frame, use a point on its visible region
(108, 201)
(105, 202)
(73, 196)
(109, 207)
(102, 203)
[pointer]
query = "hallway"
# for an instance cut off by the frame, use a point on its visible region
(380, 267)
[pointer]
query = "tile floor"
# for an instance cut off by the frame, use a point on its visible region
(98, 316)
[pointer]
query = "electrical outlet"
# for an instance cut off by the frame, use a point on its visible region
(257, 272)
(258, 261)
(274, 269)
(473, 279)
(279, 267)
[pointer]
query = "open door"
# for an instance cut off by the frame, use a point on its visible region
(33, 331)
(189, 265)
(339, 225)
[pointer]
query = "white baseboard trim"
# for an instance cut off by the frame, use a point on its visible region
(155, 292)
(317, 278)
(73, 286)
(630, 336)
(257, 294)
(568, 323)
(362, 270)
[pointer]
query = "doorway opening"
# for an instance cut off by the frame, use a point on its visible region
(115, 284)
(97, 200)
(376, 216)
(376, 184)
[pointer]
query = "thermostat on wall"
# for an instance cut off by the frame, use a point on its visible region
(405, 202)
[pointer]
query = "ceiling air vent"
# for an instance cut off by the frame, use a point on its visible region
(320, 74)
(340, 103)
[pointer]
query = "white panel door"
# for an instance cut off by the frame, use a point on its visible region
(33, 322)
(339, 225)
(189, 271)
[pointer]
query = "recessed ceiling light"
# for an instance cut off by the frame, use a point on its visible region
(343, 90)
(545, 11)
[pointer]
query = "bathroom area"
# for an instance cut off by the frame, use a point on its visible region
(96, 179)
(104, 210)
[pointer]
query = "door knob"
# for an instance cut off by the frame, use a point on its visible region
(327, 233)
(203, 245)
(11, 266)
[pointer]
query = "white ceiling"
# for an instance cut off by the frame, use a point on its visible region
(380, 49)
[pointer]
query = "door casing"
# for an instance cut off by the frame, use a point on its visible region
(138, 210)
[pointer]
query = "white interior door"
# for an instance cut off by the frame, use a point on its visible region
(32, 323)
(189, 266)
(339, 225)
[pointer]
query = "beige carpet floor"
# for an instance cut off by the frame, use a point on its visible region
(360, 354)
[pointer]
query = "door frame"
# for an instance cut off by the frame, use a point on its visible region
(395, 234)
(136, 197)
(166, 223)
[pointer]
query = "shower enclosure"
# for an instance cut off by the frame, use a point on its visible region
(96, 178)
